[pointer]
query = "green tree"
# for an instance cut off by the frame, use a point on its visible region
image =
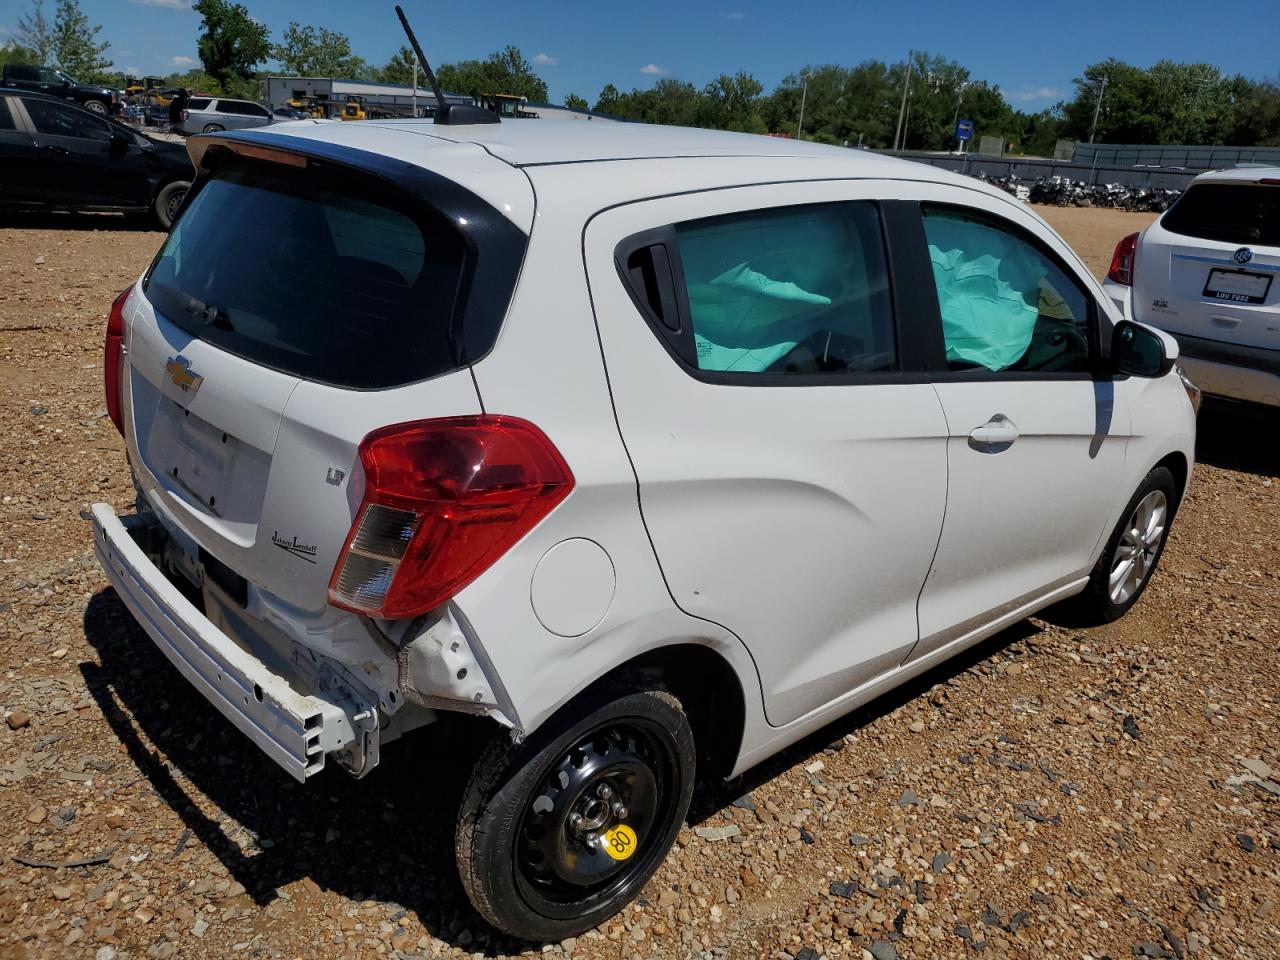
(231, 45)
(575, 102)
(14, 52)
(76, 45)
(607, 102)
(318, 52)
(506, 71)
(731, 103)
(399, 69)
(1257, 116)
(36, 35)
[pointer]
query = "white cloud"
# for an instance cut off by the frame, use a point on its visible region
(733, 15)
(183, 61)
(1039, 93)
(132, 71)
(4, 31)
(545, 60)
(653, 70)
(167, 4)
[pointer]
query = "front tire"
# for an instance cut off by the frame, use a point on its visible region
(168, 202)
(559, 833)
(97, 106)
(1132, 552)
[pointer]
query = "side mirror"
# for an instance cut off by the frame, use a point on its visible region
(1137, 351)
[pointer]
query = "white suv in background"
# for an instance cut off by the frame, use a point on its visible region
(214, 114)
(1208, 272)
(743, 434)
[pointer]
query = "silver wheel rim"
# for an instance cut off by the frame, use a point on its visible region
(1135, 554)
(96, 107)
(171, 207)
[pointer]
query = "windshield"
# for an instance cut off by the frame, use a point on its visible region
(1232, 213)
(328, 276)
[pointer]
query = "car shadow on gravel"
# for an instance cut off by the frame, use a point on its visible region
(1238, 437)
(387, 838)
(55, 220)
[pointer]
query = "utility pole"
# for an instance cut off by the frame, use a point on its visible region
(415, 86)
(1096, 107)
(902, 110)
(804, 92)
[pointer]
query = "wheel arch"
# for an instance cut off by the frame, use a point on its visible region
(708, 688)
(1177, 464)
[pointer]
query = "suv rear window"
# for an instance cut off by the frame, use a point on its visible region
(1229, 212)
(321, 273)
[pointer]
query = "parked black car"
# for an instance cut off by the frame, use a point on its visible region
(56, 155)
(101, 100)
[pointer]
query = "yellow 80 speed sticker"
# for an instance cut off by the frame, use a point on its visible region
(619, 842)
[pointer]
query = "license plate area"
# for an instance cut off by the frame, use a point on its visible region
(1237, 286)
(203, 458)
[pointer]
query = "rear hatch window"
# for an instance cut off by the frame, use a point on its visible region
(322, 273)
(1231, 213)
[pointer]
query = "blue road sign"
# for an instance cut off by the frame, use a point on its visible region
(964, 129)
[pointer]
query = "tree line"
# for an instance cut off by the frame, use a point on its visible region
(1111, 101)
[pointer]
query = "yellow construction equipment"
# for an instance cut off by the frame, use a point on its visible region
(354, 110)
(506, 105)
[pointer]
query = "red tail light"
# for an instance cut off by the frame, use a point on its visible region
(112, 355)
(1122, 261)
(444, 499)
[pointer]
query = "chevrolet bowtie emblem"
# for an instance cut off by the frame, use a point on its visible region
(179, 370)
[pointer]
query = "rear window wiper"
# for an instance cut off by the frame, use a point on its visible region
(206, 314)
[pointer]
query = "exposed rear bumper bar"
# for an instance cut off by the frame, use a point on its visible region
(295, 730)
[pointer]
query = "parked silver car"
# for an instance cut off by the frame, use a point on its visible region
(211, 114)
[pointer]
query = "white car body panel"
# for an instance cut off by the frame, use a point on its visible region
(850, 489)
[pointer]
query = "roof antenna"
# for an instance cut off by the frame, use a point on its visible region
(451, 113)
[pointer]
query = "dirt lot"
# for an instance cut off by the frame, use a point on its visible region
(1055, 793)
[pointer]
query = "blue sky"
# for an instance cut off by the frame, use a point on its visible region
(1032, 50)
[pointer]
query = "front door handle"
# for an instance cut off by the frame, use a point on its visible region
(54, 148)
(998, 431)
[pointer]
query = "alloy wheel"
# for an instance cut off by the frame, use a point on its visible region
(1139, 545)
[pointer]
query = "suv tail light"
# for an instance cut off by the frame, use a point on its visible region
(1122, 261)
(112, 357)
(444, 499)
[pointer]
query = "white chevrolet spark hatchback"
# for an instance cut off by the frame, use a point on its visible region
(653, 449)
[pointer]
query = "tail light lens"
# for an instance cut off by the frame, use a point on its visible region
(186, 115)
(112, 357)
(1122, 261)
(444, 499)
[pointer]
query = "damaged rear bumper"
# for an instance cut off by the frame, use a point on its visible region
(296, 730)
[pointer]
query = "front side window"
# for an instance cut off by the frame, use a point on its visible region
(56, 119)
(1005, 305)
(800, 290)
(51, 76)
(6, 120)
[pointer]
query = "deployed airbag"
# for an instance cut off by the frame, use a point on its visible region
(745, 321)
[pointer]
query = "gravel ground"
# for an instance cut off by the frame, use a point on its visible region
(1053, 793)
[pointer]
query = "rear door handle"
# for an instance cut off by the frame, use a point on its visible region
(999, 430)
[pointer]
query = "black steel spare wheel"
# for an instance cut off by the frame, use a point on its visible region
(575, 824)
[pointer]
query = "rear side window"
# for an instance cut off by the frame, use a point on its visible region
(198, 103)
(17, 72)
(6, 119)
(1229, 212)
(801, 290)
(61, 120)
(1005, 305)
(330, 276)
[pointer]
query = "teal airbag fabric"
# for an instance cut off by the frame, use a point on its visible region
(745, 318)
(988, 292)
